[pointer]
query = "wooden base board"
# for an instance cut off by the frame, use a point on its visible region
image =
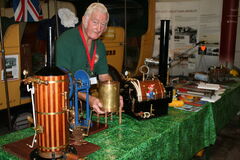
(21, 150)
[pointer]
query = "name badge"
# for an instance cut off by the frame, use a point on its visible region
(93, 80)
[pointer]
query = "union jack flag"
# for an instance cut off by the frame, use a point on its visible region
(27, 10)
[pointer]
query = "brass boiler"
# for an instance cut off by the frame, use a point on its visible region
(51, 118)
(109, 95)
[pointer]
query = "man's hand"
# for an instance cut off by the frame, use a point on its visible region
(96, 104)
(121, 102)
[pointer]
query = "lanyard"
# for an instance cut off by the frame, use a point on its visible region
(90, 60)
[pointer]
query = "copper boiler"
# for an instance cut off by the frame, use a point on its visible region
(51, 117)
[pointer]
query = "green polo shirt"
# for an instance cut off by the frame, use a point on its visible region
(71, 54)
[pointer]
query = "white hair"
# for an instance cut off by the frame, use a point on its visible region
(96, 6)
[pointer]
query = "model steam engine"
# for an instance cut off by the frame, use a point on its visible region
(146, 98)
(53, 115)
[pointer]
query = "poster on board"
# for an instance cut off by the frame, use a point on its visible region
(191, 22)
(12, 67)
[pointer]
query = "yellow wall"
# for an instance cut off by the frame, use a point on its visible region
(11, 47)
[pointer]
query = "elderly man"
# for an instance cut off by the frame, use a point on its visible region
(80, 48)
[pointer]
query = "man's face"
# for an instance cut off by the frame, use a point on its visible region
(96, 24)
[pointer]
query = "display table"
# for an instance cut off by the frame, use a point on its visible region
(227, 107)
(179, 135)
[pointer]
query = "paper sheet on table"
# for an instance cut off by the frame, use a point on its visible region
(209, 86)
(212, 99)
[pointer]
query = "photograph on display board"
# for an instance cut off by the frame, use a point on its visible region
(12, 67)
